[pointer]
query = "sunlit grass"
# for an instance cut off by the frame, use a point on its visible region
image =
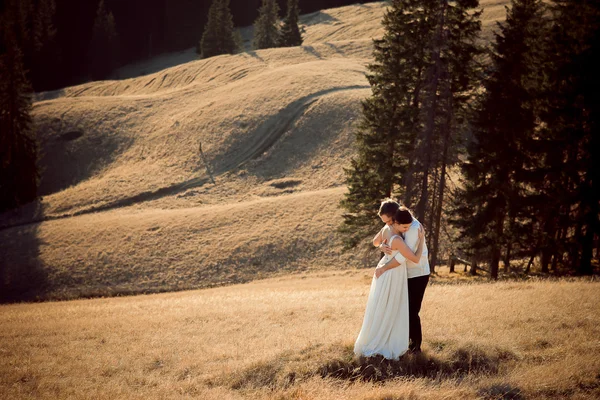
(292, 337)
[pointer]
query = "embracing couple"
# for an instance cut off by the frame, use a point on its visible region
(391, 325)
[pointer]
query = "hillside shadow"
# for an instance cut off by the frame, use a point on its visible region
(74, 154)
(23, 275)
(26, 214)
(155, 64)
(49, 95)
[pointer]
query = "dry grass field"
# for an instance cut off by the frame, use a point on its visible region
(128, 208)
(291, 338)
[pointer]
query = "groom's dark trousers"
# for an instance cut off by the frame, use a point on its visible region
(416, 290)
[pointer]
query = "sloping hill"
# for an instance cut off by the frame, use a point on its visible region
(277, 128)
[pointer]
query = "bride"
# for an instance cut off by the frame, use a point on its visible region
(385, 326)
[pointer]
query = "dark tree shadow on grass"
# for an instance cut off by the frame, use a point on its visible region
(23, 276)
(311, 50)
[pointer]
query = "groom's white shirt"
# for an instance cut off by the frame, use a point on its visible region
(411, 238)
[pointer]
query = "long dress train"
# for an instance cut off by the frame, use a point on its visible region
(385, 325)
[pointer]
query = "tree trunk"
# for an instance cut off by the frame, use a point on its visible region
(432, 229)
(509, 244)
(474, 266)
(431, 110)
(591, 224)
(587, 247)
(597, 249)
(530, 263)
(547, 245)
(557, 251)
(545, 260)
(441, 189)
(495, 259)
(494, 262)
(431, 214)
(452, 262)
(408, 183)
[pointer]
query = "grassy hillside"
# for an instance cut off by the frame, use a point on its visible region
(292, 338)
(127, 204)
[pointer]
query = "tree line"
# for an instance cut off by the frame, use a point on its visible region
(221, 37)
(144, 28)
(494, 148)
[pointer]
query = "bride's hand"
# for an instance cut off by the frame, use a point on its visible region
(421, 233)
(386, 248)
(378, 272)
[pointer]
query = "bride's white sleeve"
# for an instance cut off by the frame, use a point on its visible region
(399, 257)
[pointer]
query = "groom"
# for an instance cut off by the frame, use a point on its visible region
(418, 277)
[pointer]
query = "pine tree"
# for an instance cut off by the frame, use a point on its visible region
(390, 123)
(104, 47)
(447, 92)
(570, 187)
(502, 156)
(290, 32)
(18, 148)
(46, 58)
(266, 30)
(219, 35)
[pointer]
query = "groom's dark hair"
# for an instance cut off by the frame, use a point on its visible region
(403, 216)
(388, 207)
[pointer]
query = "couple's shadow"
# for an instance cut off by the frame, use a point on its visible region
(337, 361)
(459, 364)
(420, 365)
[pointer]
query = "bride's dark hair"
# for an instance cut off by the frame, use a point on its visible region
(403, 216)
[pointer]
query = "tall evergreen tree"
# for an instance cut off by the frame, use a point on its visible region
(447, 92)
(104, 47)
(502, 156)
(570, 188)
(18, 148)
(219, 35)
(266, 29)
(422, 81)
(290, 32)
(390, 117)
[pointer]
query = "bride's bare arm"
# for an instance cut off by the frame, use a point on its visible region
(393, 263)
(401, 246)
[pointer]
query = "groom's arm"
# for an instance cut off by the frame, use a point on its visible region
(379, 238)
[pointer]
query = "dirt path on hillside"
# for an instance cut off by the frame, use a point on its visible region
(264, 138)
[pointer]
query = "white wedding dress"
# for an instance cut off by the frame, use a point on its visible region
(385, 326)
